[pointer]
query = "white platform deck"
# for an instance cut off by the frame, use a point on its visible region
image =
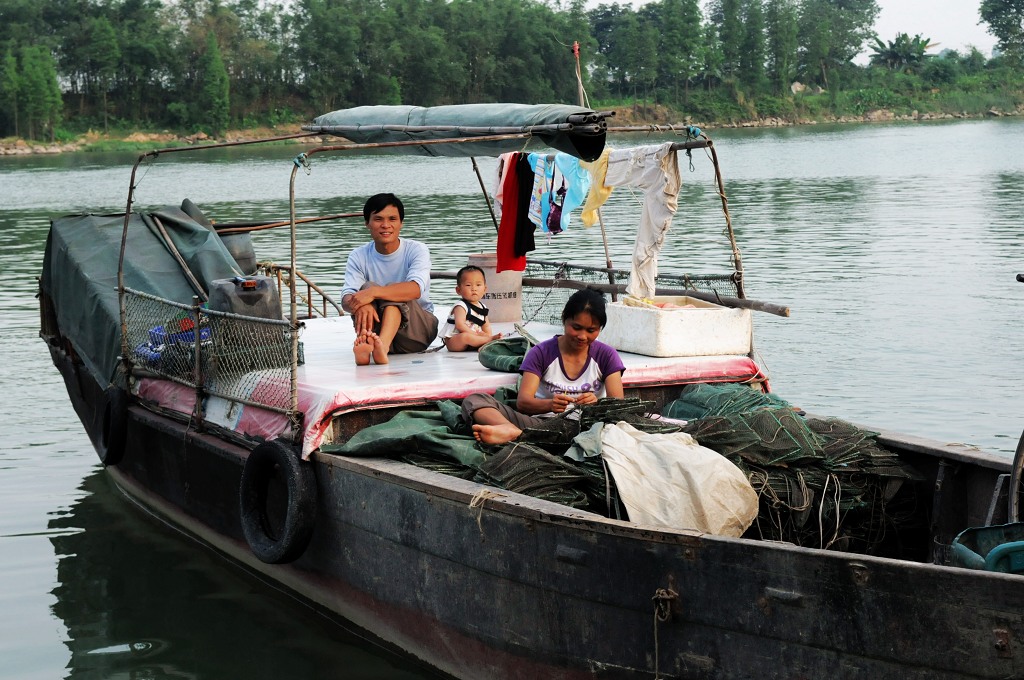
(331, 384)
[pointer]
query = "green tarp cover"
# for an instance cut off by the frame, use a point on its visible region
(506, 354)
(375, 124)
(80, 274)
(423, 432)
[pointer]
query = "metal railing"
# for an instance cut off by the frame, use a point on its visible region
(243, 359)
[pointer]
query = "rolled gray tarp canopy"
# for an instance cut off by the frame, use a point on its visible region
(574, 130)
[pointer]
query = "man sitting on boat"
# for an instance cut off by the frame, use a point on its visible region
(382, 278)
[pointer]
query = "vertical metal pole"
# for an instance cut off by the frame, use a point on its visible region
(607, 255)
(487, 198)
(737, 260)
(600, 217)
(294, 320)
(198, 366)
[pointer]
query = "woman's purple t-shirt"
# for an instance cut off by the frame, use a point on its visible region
(545, 361)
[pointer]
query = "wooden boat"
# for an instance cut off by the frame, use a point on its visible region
(227, 426)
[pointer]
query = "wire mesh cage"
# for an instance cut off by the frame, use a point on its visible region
(240, 358)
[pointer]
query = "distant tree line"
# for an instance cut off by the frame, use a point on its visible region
(211, 64)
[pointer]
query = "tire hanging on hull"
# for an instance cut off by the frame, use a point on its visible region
(112, 426)
(277, 502)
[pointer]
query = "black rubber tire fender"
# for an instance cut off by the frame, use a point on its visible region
(277, 502)
(112, 421)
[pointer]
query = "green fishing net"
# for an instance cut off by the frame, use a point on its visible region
(822, 482)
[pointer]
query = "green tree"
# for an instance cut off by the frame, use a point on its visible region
(752, 53)
(326, 53)
(548, 73)
(378, 53)
(214, 98)
(471, 33)
(1005, 19)
(638, 54)
(727, 15)
(425, 69)
(679, 43)
(782, 43)
(712, 65)
(10, 92)
(52, 98)
(832, 33)
(102, 58)
(612, 25)
(23, 22)
(147, 58)
(902, 54)
(40, 91)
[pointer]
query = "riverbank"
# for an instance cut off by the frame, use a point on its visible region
(637, 114)
(144, 141)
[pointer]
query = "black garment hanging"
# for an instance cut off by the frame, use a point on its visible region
(524, 241)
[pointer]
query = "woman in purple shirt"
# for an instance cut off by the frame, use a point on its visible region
(569, 370)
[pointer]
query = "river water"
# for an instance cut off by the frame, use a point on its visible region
(895, 246)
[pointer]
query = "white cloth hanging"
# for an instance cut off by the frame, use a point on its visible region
(654, 169)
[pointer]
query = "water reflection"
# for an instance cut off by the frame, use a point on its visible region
(141, 602)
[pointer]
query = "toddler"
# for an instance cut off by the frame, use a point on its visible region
(467, 326)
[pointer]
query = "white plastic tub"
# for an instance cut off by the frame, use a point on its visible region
(706, 329)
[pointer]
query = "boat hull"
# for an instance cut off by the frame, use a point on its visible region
(477, 582)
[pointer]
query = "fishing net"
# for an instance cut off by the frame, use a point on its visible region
(822, 482)
(244, 359)
(528, 469)
(535, 465)
(545, 304)
(701, 400)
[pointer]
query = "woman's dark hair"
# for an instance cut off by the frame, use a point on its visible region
(465, 270)
(588, 300)
(377, 202)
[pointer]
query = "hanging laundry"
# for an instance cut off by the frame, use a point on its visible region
(539, 192)
(556, 199)
(506, 256)
(577, 184)
(654, 169)
(562, 171)
(599, 191)
(505, 160)
(524, 241)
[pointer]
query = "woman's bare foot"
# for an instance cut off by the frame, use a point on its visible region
(496, 336)
(496, 434)
(362, 348)
(380, 352)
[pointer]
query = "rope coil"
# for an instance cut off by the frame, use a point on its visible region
(663, 600)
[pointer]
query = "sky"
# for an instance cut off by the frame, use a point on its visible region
(951, 23)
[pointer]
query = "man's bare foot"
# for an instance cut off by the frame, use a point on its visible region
(496, 434)
(362, 348)
(380, 352)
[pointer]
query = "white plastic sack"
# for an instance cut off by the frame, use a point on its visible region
(671, 481)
